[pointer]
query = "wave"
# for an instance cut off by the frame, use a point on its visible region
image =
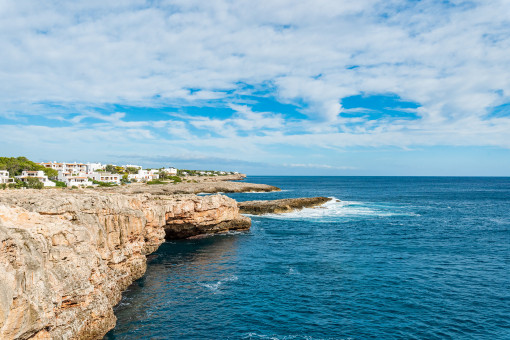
(215, 286)
(336, 210)
(253, 335)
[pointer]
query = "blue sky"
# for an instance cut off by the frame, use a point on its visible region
(322, 87)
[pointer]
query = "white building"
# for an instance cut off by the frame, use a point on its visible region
(144, 175)
(73, 168)
(91, 167)
(78, 181)
(4, 177)
(70, 179)
(106, 177)
(171, 171)
(25, 175)
(67, 167)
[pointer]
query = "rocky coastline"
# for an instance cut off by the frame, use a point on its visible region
(203, 186)
(280, 206)
(66, 256)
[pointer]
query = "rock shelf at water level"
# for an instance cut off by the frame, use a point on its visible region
(280, 206)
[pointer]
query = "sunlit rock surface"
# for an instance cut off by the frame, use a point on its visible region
(66, 256)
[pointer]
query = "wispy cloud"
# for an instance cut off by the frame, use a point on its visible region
(85, 64)
(320, 166)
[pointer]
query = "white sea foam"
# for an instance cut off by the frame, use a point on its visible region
(293, 271)
(335, 210)
(263, 192)
(214, 286)
(253, 335)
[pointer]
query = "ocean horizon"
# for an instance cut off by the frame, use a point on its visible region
(393, 257)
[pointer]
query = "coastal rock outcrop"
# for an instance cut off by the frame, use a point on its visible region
(208, 187)
(280, 206)
(66, 257)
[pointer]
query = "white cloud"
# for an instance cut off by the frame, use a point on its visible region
(59, 59)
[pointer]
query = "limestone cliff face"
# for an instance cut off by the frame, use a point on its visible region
(65, 258)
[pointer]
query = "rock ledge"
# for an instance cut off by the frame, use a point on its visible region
(280, 206)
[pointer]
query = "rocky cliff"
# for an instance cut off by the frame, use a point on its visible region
(65, 258)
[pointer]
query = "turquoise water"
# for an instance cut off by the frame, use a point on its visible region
(396, 258)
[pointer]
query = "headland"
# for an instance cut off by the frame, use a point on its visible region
(66, 255)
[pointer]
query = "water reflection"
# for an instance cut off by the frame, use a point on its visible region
(179, 273)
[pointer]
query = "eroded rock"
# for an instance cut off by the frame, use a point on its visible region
(65, 258)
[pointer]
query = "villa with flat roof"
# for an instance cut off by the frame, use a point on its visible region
(73, 167)
(144, 175)
(106, 177)
(170, 170)
(39, 175)
(4, 177)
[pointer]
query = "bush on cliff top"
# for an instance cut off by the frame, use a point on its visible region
(156, 181)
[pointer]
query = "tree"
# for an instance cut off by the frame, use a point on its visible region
(51, 173)
(16, 165)
(34, 183)
(131, 170)
(124, 179)
(110, 168)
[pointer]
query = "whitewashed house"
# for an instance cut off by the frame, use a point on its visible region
(25, 175)
(80, 180)
(106, 177)
(70, 179)
(4, 177)
(144, 175)
(171, 171)
(91, 167)
(63, 175)
(73, 168)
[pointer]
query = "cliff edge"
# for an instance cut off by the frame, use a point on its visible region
(66, 257)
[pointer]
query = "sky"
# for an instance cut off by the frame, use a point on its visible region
(268, 87)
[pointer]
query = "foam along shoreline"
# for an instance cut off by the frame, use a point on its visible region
(280, 206)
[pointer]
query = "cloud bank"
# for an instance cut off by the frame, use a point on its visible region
(264, 80)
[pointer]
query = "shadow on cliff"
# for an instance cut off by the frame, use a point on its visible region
(177, 271)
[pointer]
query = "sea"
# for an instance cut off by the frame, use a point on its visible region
(387, 258)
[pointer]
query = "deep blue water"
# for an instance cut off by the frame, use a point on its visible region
(396, 258)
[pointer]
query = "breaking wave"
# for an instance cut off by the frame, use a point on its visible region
(336, 210)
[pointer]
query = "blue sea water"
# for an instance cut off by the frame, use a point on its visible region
(396, 258)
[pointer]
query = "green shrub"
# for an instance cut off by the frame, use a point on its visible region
(155, 181)
(124, 180)
(34, 183)
(60, 184)
(104, 184)
(176, 179)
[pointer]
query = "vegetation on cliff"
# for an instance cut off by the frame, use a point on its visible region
(16, 165)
